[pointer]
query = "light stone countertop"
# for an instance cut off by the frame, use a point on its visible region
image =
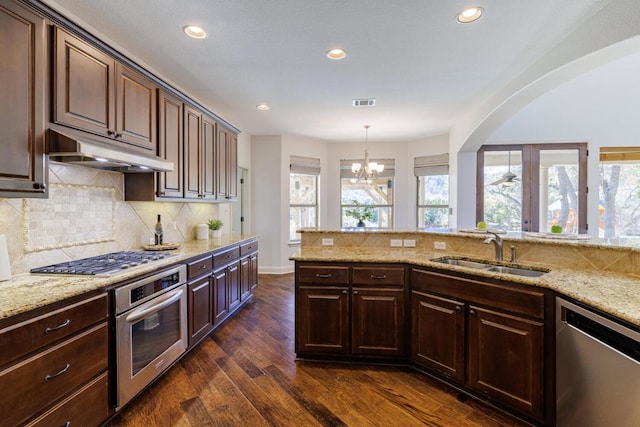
(27, 292)
(615, 294)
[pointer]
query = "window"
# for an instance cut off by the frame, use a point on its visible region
(303, 194)
(619, 194)
(367, 203)
(533, 187)
(432, 174)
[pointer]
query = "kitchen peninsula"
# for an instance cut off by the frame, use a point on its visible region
(484, 326)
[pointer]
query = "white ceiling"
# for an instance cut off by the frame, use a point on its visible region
(422, 66)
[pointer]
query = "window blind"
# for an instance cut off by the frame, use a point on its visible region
(431, 165)
(304, 165)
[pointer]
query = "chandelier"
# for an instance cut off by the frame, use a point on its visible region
(369, 170)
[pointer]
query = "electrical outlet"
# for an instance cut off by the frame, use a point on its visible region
(409, 243)
(442, 246)
(396, 243)
(327, 242)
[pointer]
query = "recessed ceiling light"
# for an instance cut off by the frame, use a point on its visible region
(262, 107)
(470, 14)
(195, 32)
(336, 54)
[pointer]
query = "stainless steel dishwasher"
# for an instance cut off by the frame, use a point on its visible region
(598, 369)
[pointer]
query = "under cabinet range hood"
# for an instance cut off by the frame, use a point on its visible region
(70, 146)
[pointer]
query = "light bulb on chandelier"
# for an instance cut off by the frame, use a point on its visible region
(366, 171)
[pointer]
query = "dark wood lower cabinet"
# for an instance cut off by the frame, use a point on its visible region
(377, 322)
(506, 359)
(491, 338)
(200, 309)
(322, 320)
(438, 334)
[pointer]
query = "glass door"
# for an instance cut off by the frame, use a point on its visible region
(533, 187)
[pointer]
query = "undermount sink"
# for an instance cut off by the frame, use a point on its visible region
(491, 267)
(517, 271)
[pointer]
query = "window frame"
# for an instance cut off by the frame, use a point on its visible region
(419, 206)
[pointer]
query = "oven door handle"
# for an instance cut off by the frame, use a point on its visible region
(163, 302)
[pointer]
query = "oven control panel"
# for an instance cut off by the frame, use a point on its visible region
(141, 292)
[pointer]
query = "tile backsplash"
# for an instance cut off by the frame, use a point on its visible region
(86, 215)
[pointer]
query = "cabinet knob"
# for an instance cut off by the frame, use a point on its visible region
(344, 291)
(356, 292)
(110, 132)
(39, 186)
(458, 308)
(472, 312)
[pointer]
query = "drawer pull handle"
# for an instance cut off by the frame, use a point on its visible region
(68, 424)
(323, 276)
(203, 266)
(60, 326)
(380, 277)
(60, 372)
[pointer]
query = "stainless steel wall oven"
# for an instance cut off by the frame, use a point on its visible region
(150, 329)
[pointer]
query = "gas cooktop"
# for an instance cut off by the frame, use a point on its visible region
(104, 265)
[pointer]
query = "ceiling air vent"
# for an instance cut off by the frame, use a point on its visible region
(371, 102)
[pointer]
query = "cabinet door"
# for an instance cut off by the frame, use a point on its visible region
(220, 296)
(221, 163)
(505, 359)
(192, 147)
(253, 269)
(200, 309)
(232, 166)
(245, 278)
(378, 321)
(322, 320)
(84, 86)
(170, 145)
(233, 277)
(208, 189)
(23, 168)
(437, 334)
(136, 109)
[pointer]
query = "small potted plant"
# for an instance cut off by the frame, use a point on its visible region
(360, 213)
(215, 226)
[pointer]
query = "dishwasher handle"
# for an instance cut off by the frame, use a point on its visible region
(623, 340)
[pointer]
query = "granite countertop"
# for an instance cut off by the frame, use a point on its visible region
(27, 292)
(615, 294)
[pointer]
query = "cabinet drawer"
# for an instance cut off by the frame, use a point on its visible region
(320, 275)
(46, 377)
(89, 406)
(506, 297)
(224, 258)
(248, 248)
(199, 267)
(378, 276)
(23, 338)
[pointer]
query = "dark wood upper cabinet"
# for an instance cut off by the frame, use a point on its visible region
(84, 90)
(23, 166)
(227, 164)
(170, 145)
(136, 109)
(95, 93)
(192, 152)
(209, 127)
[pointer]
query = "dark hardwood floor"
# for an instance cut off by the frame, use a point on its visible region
(245, 374)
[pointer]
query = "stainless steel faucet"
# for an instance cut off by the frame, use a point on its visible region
(497, 241)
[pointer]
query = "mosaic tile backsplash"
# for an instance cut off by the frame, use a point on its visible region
(73, 215)
(86, 215)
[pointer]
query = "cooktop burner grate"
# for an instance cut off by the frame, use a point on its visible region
(103, 265)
